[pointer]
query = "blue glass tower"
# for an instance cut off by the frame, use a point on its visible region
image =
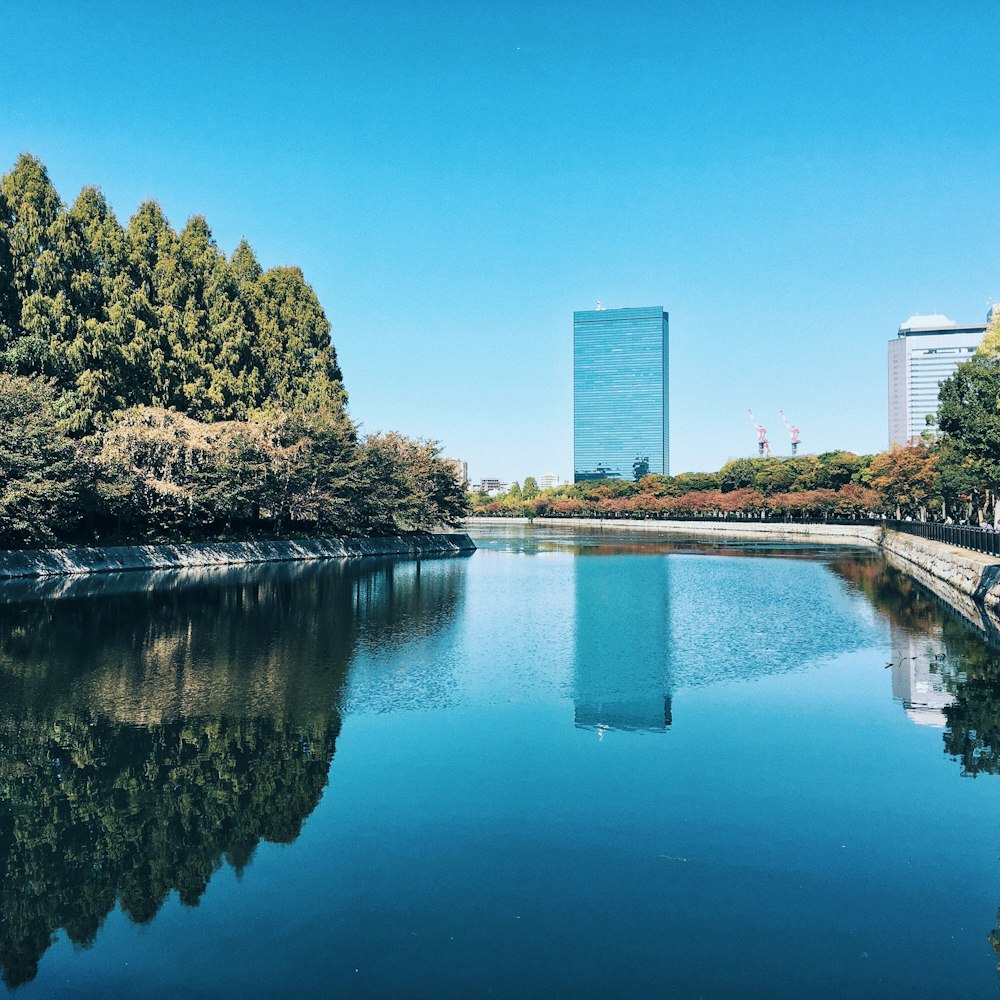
(620, 411)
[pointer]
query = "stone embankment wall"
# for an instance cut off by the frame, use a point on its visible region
(60, 562)
(972, 574)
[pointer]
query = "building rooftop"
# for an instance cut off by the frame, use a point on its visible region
(935, 321)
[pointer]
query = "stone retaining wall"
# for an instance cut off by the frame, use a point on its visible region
(60, 562)
(971, 573)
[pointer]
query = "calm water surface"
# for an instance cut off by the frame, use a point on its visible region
(569, 765)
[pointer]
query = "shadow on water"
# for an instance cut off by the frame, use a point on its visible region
(157, 726)
(945, 659)
(945, 662)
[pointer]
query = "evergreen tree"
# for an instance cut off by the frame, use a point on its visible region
(102, 285)
(158, 303)
(301, 367)
(41, 478)
(42, 249)
(10, 311)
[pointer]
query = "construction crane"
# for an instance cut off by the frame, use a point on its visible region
(763, 448)
(793, 432)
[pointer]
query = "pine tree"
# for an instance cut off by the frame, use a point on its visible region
(10, 307)
(102, 290)
(301, 364)
(43, 249)
(158, 303)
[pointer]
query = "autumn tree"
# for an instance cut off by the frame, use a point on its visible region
(905, 478)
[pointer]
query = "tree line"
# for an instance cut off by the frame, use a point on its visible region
(950, 473)
(836, 483)
(153, 388)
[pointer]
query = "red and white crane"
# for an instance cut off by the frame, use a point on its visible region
(793, 432)
(763, 448)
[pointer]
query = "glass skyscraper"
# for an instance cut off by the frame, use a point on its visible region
(620, 413)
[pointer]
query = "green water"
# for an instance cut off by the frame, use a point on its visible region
(569, 765)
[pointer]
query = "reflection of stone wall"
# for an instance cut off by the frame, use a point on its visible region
(958, 667)
(972, 573)
(984, 621)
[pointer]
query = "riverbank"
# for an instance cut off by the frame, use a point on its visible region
(122, 558)
(972, 574)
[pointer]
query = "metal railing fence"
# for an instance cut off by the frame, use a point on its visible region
(965, 536)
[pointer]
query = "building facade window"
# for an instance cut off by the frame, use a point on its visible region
(925, 352)
(620, 393)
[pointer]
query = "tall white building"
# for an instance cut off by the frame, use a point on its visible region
(926, 351)
(461, 469)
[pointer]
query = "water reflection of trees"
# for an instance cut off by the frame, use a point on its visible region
(968, 662)
(98, 813)
(150, 736)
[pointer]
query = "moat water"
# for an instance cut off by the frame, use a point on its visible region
(569, 765)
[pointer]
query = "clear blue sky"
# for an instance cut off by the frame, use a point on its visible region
(790, 181)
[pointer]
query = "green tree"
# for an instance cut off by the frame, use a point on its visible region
(42, 246)
(300, 364)
(989, 346)
(10, 306)
(98, 376)
(41, 477)
(736, 474)
(969, 420)
(838, 468)
(407, 485)
(158, 302)
(530, 489)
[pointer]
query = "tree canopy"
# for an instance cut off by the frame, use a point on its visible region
(143, 315)
(153, 387)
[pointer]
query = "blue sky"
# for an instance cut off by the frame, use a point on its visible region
(790, 181)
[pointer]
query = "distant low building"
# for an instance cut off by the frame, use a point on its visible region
(926, 351)
(491, 487)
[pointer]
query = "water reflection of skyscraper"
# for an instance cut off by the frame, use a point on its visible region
(923, 674)
(917, 678)
(621, 674)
